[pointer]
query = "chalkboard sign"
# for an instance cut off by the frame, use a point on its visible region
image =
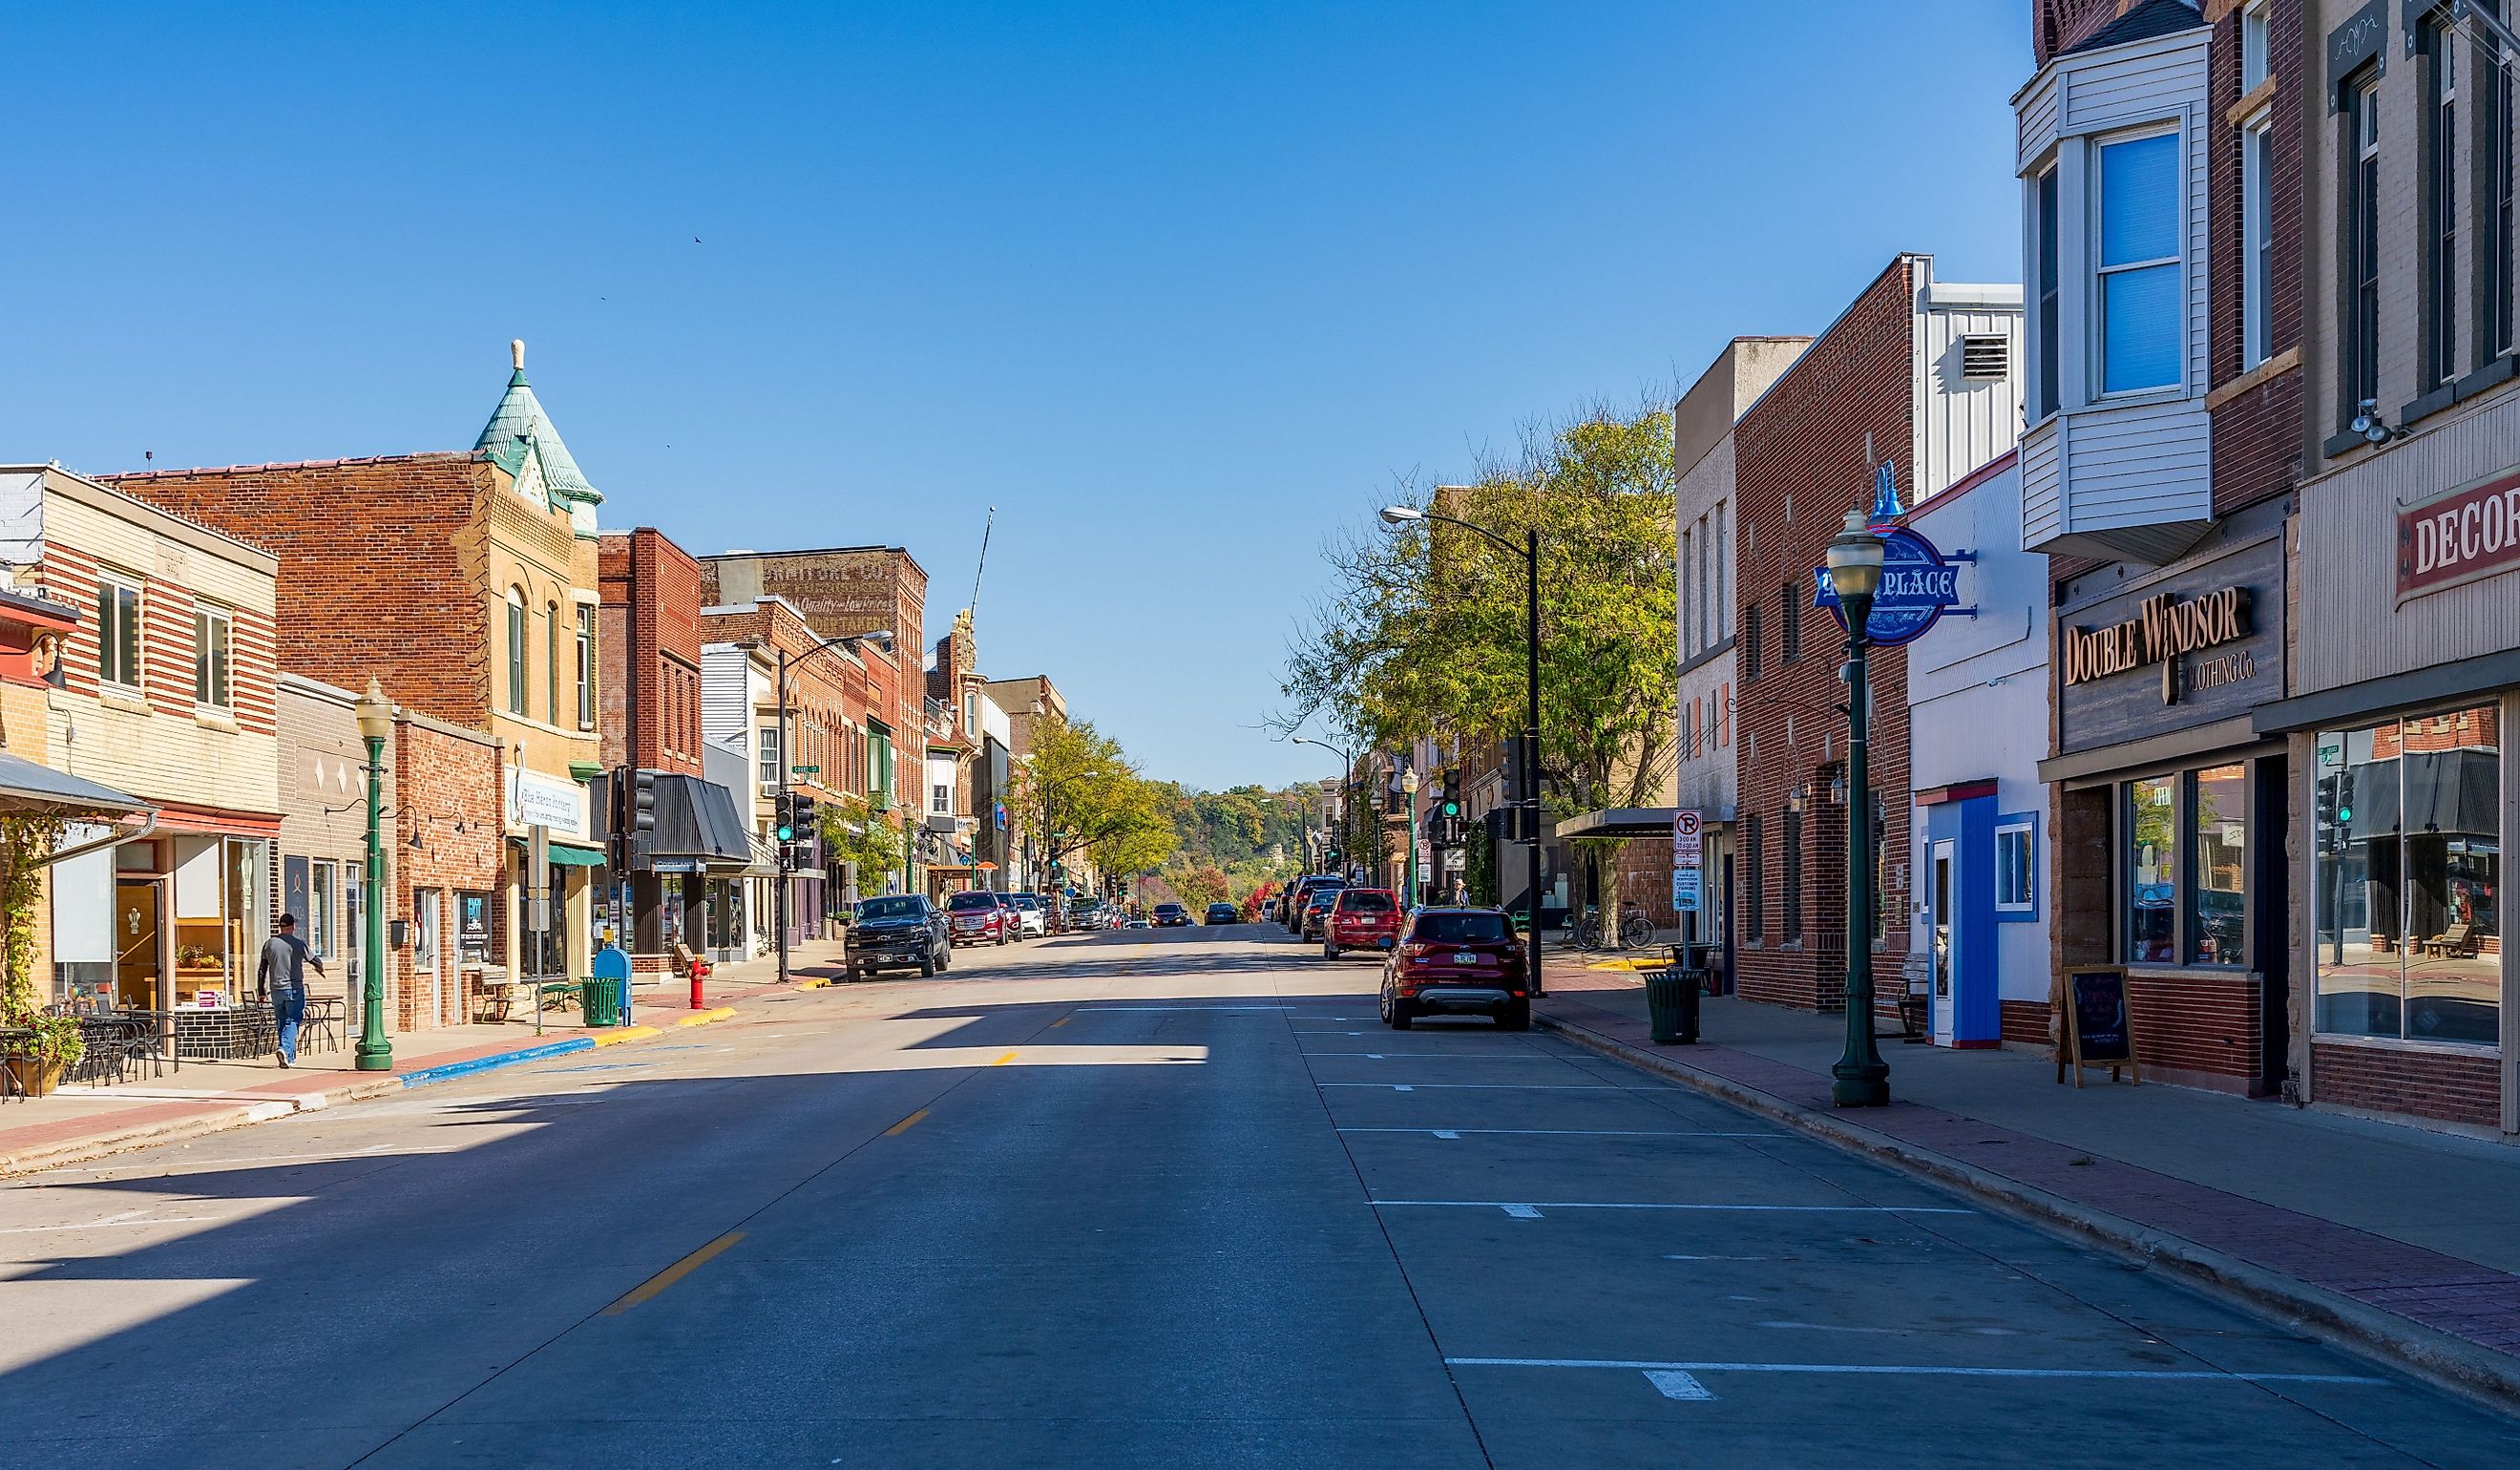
(2098, 1030)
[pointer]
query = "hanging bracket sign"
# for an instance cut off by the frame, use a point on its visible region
(1918, 585)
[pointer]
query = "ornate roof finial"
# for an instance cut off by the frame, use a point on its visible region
(517, 350)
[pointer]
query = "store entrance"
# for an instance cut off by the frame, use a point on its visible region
(138, 965)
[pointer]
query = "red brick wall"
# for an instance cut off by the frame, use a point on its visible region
(2257, 435)
(166, 649)
(2200, 1024)
(1801, 464)
(648, 641)
(2026, 1021)
(2062, 24)
(824, 687)
(2453, 1088)
(363, 545)
(442, 783)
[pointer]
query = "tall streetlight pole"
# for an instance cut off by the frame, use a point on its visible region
(1396, 516)
(1855, 558)
(1347, 793)
(374, 1051)
(786, 752)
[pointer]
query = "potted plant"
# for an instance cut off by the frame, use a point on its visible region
(40, 1059)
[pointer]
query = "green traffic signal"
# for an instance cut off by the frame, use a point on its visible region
(787, 834)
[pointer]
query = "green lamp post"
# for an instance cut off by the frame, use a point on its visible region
(376, 721)
(1408, 788)
(1855, 556)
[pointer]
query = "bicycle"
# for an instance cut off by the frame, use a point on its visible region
(1634, 930)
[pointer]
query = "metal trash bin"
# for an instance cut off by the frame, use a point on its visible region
(1672, 993)
(602, 1000)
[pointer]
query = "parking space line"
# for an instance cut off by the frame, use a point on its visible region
(1498, 1087)
(1929, 1370)
(1519, 1208)
(1570, 1133)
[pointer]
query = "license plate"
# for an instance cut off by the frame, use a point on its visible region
(1382, 944)
(1468, 958)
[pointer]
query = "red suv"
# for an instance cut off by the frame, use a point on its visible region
(1456, 962)
(980, 916)
(1360, 919)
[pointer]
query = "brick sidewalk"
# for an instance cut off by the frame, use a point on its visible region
(2448, 1315)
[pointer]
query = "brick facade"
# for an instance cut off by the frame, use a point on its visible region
(2258, 425)
(650, 644)
(448, 784)
(2446, 1086)
(2198, 1029)
(1801, 461)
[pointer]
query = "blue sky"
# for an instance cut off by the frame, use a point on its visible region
(1177, 287)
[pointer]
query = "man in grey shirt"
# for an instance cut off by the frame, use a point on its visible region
(283, 976)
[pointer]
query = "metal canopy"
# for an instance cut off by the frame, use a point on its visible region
(28, 788)
(1619, 821)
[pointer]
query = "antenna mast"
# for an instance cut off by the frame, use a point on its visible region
(985, 528)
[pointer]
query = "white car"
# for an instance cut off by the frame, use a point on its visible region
(1035, 919)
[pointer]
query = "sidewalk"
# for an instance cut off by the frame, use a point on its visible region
(80, 1122)
(2404, 1241)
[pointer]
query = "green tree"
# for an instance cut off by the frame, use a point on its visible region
(1077, 792)
(873, 843)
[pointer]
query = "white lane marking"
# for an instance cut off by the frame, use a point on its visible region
(1562, 1204)
(1931, 1370)
(1675, 1384)
(1402, 1087)
(1511, 1087)
(1727, 1258)
(1222, 1010)
(1522, 1211)
(1569, 1133)
(1442, 1055)
(98, 1224)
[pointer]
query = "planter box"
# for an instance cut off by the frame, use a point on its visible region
(38, 1076)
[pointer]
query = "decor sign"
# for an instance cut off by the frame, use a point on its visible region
(2162, 629)
(2471, 532)
(1918, 585)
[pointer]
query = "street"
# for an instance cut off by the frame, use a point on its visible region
(1170, 1198)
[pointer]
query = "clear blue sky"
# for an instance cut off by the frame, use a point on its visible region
(1176, 287)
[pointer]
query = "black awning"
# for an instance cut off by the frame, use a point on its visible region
(694, 819)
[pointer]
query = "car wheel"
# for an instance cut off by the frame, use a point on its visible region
(1400, 1016)
(926, 966)
(1329, 952)
(1002, 934)
(857, 972)
(945, 957)
(1515, 1017)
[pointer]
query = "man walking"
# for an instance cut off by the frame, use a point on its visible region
(283, 976)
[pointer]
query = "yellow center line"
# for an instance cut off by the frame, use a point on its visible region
(905, 1124)
(1002, 1060)
(657, 1283)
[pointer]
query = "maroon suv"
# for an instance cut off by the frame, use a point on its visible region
(1360, 919)
(979, 917)
(1456, 962)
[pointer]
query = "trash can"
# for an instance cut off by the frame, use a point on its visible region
(1671, 998)
(602, 1000)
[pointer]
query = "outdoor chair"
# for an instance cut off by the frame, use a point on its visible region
(2457, 942)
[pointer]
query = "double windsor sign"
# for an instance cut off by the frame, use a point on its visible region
(2471, 532)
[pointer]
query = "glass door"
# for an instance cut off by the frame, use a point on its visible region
(1939, 903)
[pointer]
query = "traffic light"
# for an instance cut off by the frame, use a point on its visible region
(634, 813)
(1517, 768)
(784, 817)
(1448, 810)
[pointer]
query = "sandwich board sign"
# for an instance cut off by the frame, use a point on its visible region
(2098, 1030)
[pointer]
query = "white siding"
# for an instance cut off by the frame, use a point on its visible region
(2043, 490)
(1965, 422)
(2137, 465)
(726, 692)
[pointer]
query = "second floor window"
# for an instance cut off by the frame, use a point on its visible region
(1792, 640)
(2257, 243)
(1754, 891)
(2362, 193)
(2440, 243)
(211, 681)
(1750, 643)
(118, 635)
(941, 798)
(769, 755)
(2140, 310)
(585, 667)
(550, 661)
(2493, 241)
(515, 652)
(2044, 385)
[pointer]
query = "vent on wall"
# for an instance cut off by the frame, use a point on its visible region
(1985, 355)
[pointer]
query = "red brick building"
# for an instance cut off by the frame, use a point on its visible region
(1883, 386)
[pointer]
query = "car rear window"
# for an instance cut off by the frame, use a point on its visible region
(970, 902)
(1358, 900)
(1460, 928)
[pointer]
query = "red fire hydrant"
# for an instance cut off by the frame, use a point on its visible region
(700, 973)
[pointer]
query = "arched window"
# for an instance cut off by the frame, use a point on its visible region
(550, 659)
(515, 650)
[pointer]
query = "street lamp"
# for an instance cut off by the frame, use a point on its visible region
(1408, 790)
(877, 635)
(375, 1053)
(1347, 795)
(1396, 516)
(1855, 576)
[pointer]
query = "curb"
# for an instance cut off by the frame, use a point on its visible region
(620, 1034)
(706, 1017)
(2476, 1373)
(427, 1074)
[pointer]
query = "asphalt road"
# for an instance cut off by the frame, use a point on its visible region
(1170, 1199)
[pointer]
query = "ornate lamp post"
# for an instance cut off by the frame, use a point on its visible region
(1854, 560)
(376, 721)
(1408, 790)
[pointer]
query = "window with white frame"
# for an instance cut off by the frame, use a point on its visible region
(585, 667)
(941, 798)
(2140, 307)
(2257, 241)
(768, 746)
(2016, 864)
(2048, 283)
(118, 635)
(211, 627)
(2254, 18)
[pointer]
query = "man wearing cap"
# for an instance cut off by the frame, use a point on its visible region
(282, 975)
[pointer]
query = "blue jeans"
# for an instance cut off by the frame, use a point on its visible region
(288, 1009)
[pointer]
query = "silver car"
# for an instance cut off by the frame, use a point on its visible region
(1028, 909)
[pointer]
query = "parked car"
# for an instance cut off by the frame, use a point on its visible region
(1171, 917)
(1224, 913)
(1032, 920)
(900, 931)
(1293, 917)
(1360, 919)
(1456, 962)
(976, 916)
(1316, 908)
(1085, 914)
(1139, 923)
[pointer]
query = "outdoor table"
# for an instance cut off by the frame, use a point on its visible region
(320, 1030)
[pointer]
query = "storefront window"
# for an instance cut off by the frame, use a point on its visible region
(2152, 850)
(2408, 859)
(424, 929)
(472, 928)
(2215, 926)
(319, 911)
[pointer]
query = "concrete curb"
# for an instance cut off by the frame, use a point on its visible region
(2478, 1373)
(707, 1018)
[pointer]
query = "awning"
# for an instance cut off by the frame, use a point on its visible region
(1619, 821)
(694, 819)
(565, 854)
(29, 788)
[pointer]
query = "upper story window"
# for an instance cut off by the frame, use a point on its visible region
(515, 650)
(550, 661)
(1723, 609)
(211, 627)
(2139, 306)
(767, 748)
(585, 667)
(2441, 210)
(1792, 641)
(2254, 20)
(941, 798)
(118, 635)
(2359, 343)
(1750, 643)
(2047, 281)
(1688, 609)
(2494, 286)
(2257, 241)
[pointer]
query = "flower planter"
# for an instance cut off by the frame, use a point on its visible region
(37, 1075)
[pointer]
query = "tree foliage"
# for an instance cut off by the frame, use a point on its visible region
(1077, 792)
(1421, 633)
